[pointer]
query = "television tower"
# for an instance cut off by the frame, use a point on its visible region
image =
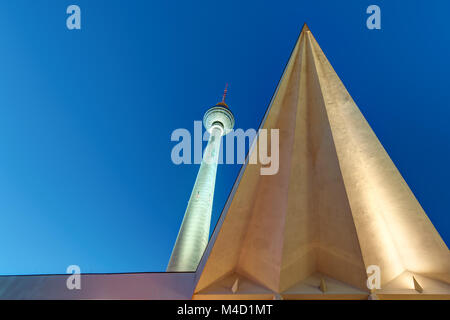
(194, 231)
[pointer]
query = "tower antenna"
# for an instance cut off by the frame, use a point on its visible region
(225, 93)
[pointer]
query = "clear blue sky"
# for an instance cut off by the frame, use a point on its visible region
(86, 116)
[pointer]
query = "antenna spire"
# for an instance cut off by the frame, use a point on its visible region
(222, 103)
(225, 93)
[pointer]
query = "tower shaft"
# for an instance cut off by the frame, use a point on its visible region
(194, 231)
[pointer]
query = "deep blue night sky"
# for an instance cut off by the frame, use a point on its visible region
(86, 116)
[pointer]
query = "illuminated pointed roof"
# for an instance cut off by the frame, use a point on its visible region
(337, 205)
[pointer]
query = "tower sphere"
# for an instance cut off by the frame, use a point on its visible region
(221, 116)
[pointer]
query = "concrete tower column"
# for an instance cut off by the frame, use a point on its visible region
(194, 231)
